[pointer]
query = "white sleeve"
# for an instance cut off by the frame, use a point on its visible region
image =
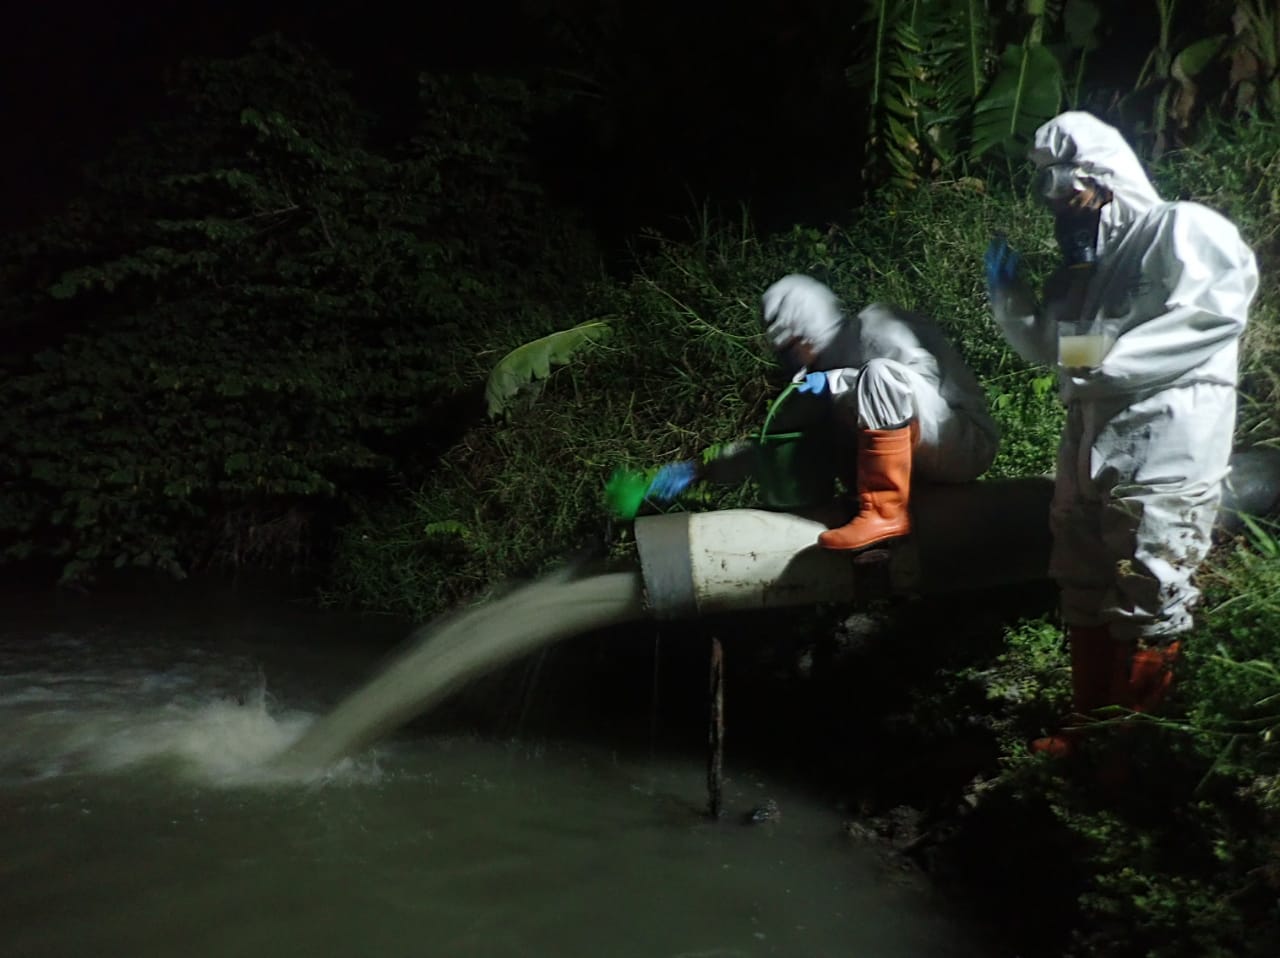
(1210, 277)
(841, 381)
(1031, 333)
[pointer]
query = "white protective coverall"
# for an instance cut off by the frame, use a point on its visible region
(1149, 427)
(886, 367)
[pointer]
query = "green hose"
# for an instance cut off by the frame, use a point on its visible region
(793, 470)
(774, 407)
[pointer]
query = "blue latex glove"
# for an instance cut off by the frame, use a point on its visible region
(671, 480)
(815, 383)
(1001, 262)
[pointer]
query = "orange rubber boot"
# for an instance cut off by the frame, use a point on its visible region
(1151, 676)
(1147, 682)
(1099, 677)
(884, 491)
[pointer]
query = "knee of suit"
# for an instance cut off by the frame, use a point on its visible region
(886, 397)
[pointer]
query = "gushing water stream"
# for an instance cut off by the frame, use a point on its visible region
(447, 654)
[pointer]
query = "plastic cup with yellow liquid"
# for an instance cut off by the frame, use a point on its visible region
(1081, 345)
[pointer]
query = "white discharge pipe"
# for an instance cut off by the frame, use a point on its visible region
(967, 536)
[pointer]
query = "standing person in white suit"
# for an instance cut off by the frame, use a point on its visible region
(1143, 319)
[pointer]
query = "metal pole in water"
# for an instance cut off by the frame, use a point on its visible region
(654, 692)
(715, 754)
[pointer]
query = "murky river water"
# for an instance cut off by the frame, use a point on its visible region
(134, 820)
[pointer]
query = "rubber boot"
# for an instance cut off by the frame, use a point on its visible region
(1147, 684)
(1151, 677)
(1100, 672)
(1106, 672)
(884, 491)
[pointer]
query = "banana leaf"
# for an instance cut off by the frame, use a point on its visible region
(533, 361)
(1026, 92)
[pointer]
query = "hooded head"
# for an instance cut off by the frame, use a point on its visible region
(1076, 151)
(801, 318)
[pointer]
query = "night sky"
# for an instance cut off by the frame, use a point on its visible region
(710, 101)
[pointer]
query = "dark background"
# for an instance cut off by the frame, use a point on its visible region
(692, 101)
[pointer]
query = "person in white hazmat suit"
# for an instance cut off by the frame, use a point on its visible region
(1143, 320)
(898, 398)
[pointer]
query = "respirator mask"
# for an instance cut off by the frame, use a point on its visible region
(1076, 217)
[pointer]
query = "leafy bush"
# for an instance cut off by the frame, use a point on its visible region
(1199, 873)
(267, 315)
(681, 369)
(1170, 826)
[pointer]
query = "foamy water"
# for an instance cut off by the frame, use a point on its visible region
(69, 708)
(220, 741)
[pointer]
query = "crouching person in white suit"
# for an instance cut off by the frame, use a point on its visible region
(896, 402)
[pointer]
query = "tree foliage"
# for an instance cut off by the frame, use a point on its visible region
(952, 81)
(258, 313)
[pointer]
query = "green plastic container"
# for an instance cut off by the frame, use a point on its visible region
(625, 491)
(793, 469)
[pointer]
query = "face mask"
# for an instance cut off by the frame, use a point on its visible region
(1075, 227)
(1055, 183)
(1077, 233)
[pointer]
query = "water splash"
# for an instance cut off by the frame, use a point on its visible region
(447, 654)
(59, 724)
